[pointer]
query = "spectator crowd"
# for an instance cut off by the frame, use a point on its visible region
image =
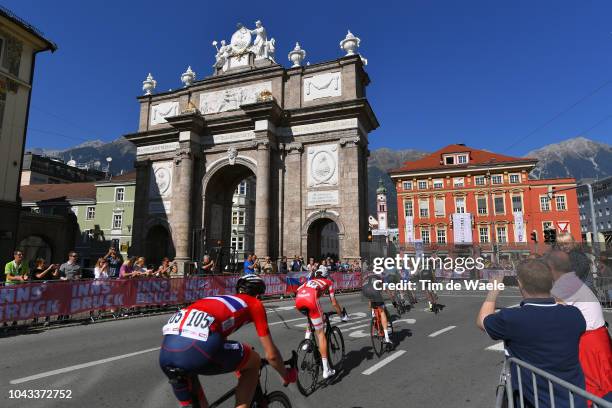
(559, 327)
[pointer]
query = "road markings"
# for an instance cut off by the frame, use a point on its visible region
(383, 362)
(496, 347)
(287, 321)
(79, 366)
(352, 316)
(444, 330)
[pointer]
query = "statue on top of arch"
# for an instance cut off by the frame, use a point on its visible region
(241, 44)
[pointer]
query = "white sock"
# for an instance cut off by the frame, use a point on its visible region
(308, 333)
(325, 365)
(387, 335)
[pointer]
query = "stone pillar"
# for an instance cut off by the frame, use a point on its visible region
(351, 192)
(262, 200)
(141, 210)
(292, 230)
(181, 207)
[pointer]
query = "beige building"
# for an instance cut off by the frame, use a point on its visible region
(19, 44)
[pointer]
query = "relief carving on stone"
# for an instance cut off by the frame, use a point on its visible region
(323, 86)
(161, 182)
(161, 111)
(232, 153)
(231, 98)
(323, 165)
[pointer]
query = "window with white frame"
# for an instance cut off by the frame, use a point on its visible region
(462, 159)
(425, 235)
(441, 235)
(91, 213)
(460, 205)
(438, 183)
(458, 181)
(517, 203)
(422, 184)
(515, 178)
(498, 203)
(497, 179)
(560, 200)
(424, 207)
(547, 225)
(241, 188)
(439, 207)
(117, 220)
(408, 210)
(449, 160)
(407, 185)
(483, 235)
(119, 194)
(502, 237)
(481, 203)
(238, 243)
(544, 203)
(238, 217)
(479, 180)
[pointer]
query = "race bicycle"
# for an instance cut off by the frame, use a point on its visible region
(261, 399)
(400, 304)
(377, 333)
(309, 357)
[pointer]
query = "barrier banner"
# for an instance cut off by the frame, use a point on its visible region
(31, 300)
(346, 280)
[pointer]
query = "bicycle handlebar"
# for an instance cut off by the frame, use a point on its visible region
(292, 362)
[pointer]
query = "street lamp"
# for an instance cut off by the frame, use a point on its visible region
(108, 166)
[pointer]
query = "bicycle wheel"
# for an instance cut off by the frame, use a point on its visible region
(276, 399)
(335, 347)
(308, 364)
(377, 340)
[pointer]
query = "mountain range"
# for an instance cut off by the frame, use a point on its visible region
(579, 157)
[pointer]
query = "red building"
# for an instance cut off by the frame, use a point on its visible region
(489, 197)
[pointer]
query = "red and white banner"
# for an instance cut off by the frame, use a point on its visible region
(27, 301)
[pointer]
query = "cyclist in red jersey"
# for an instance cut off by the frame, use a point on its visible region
(307, 297)
(195, 341)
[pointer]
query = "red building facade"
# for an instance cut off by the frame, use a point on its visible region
(490, 195)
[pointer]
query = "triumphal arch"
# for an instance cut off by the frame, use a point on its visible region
(300, 132)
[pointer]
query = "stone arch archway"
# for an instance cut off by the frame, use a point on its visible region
(218, 187)
(158, 242)
(36, 246)
(323, 235)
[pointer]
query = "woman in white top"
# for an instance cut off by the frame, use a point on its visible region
(101, 269)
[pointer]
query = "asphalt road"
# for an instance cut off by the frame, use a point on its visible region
(441, 360)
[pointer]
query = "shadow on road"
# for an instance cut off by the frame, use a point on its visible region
(352, 360)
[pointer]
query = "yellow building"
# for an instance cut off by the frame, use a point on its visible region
(19, 44)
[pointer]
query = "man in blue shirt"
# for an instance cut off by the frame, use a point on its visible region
(540, 332)
(248, 265)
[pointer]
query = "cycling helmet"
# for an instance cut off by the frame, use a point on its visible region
(321, 273)
(251, 285)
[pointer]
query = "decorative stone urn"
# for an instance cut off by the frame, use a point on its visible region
(350, 43)
(297, 55)
(188, 77)
(149, 84)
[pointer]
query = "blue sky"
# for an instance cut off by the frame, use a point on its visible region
(485, 73)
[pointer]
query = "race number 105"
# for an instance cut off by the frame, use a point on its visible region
(40, 394)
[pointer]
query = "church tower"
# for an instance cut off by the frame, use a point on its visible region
(381, 205)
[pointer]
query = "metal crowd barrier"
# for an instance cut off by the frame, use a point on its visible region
(505, 397)
(602, 286)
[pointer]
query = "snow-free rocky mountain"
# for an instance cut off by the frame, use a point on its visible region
(579, 157)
